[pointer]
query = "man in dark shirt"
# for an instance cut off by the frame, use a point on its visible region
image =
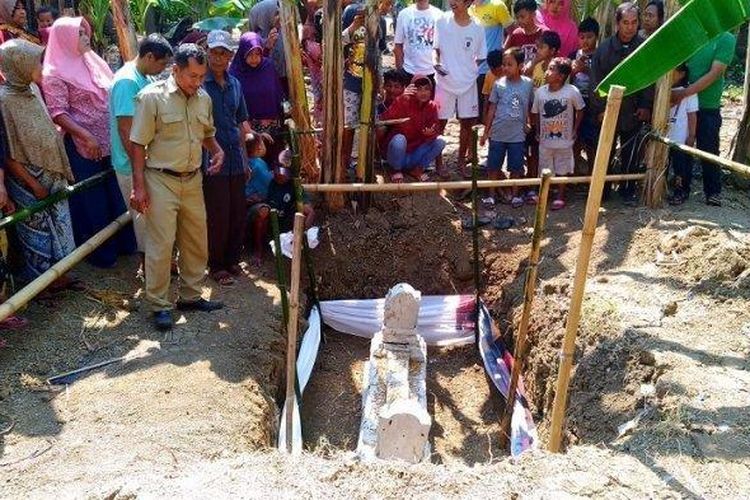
(636, 108)
(225, 191)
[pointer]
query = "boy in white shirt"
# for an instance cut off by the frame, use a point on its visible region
(459, 49)
(683, 120)
(557, 114)
(414, 39)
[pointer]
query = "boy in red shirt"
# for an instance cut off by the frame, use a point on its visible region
(527, 34)
(413, 145)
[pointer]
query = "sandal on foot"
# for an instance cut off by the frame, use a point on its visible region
(223, 278)
(558, 204)
(532, 198)
(13, 323)
(713, 201)
(516, 202)
(503, 223)
(397, 178)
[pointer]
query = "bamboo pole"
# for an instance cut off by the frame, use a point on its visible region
(520, 353)
(591, 218)
(456, 185)
(291, 345)
(297, 92)
(23, 296)
(370, 86)
(475, 227)
(126, 39)
(735, 167)
(333, 100)
(280, 276)
(53, 198)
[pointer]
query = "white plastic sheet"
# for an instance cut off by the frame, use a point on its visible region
(442, 320)
(308, 352)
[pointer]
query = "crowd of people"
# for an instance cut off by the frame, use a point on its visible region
(199, 151)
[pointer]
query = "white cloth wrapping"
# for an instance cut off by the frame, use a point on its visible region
(287, 241)
(442, 321)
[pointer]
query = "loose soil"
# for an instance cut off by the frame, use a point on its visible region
(664, 344)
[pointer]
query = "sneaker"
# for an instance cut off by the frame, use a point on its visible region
(201, 304)
(532, 198)
(163, 320)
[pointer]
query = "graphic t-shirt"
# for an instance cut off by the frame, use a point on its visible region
(513, 100)
(354, 50)
(415, 29)
(527, 43)
(461, 47)
(556, 112)
(493, 16)
(678, 118)
(582, 79)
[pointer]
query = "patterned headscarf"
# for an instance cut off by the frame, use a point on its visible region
(32, 137)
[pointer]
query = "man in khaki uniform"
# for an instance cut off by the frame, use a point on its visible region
(172, 124)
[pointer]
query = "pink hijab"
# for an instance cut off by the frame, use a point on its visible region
(563, 25)
(63, 60)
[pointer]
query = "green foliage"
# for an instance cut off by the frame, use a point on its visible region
(231, 8)
(208, 12)
(96, 11)
(220, 23)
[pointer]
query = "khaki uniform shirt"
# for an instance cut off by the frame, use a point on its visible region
(171, 126)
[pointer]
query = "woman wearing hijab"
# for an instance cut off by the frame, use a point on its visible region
(36, 162)
(13, 22)
(75, 84)
(261, 86)
(555, 15)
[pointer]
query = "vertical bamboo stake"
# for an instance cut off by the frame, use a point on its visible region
(126, 40)
(291, 345)
(297, 92)
(614, 100)
(657, 155)
(369, 91)
(280, 277)
(333, 100)
(520, 353)
(475, 225)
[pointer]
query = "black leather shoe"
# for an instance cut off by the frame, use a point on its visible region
(163, 320)
(201, 305)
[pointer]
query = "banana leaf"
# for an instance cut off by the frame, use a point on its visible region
(220, 23)
(695, 24)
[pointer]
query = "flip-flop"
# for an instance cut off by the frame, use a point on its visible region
(503, 223)
(468, 222)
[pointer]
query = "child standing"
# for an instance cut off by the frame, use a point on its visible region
(495, 64)
(548, 46)
(507, 120)
(556, 114)
(683, 120)
(528, 32)
(588, 35)
(459, 49)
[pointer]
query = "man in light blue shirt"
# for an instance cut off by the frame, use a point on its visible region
(154, 54)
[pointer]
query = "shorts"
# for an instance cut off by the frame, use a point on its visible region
(352, 103)
(560, 161)
(462, 106)
(497, 152)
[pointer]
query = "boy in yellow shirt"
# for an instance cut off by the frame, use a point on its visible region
(495, 63)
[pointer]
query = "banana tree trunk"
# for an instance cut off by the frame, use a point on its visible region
(333, 100)
(297, 92)
(126, 40)
(741, 141)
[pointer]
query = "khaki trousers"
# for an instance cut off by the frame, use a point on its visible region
(139, 221)
(177, 215)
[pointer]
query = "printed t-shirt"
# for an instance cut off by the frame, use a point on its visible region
(415, 29)
(461, 47)
(513, 100)
(527, 43)
(556, 112)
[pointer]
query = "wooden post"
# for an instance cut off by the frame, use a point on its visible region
(475, 226)
(657, 155)
(291, 344)
(370, 86)
(126, 40)
(735, 167)
(297, 92)
(333, 100)
(520, 353)
(603, 151)
(280, 275)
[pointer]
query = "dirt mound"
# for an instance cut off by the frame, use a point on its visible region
(415, 239)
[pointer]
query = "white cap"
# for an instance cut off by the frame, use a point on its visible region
(220, 38)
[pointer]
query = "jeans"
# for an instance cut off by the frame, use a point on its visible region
(707, 139)
(497, 152)
(629, 162)
(682, 166)
(400, 160)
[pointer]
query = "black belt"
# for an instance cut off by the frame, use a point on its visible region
(174, 173)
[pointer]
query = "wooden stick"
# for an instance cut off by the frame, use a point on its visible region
(333, 100)
(370, 86)
(126, 39)
(291, 345)
(23, 296)
(734, 166)
(520, 353)
(280, 275)
(455, 185)
(475, 227)
(591, 218)
(297, 93)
